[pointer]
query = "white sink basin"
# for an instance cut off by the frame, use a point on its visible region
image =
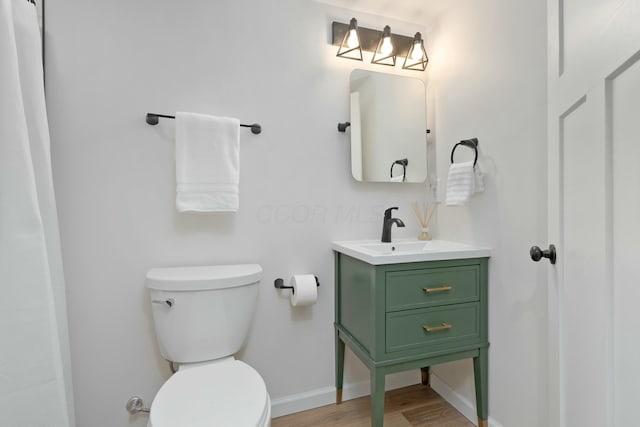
(408, 250)
(392, 248)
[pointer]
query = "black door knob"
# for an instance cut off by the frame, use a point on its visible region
(537, 254)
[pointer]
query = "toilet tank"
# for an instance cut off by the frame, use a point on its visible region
(202, 313)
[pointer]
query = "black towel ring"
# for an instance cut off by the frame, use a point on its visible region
(471, 143)
(402, 162)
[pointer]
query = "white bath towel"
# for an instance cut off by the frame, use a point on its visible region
(460, 183)
(207, 163)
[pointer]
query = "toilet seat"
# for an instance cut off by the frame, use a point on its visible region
(229, 393)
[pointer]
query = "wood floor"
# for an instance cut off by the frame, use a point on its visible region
(415, 406)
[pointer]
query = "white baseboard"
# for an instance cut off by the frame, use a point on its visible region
(327, 395)
(461, 403)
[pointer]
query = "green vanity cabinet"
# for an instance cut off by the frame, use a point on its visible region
(402, 316)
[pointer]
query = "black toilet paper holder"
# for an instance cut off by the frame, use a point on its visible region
(279, 284)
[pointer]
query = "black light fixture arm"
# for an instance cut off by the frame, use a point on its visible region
(152, 119)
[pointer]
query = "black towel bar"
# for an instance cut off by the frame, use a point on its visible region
(402, 162)
(152, 119)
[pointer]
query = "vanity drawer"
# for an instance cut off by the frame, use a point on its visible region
(431, 326)
(431, 287)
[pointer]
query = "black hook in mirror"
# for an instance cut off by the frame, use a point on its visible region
(471, 143)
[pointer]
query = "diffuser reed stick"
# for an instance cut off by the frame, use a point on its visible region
(424, 213)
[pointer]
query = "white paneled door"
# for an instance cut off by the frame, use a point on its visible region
(594, 212)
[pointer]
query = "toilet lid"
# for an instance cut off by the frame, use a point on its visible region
(221, 394)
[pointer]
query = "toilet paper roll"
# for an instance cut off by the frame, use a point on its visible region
(305, 290)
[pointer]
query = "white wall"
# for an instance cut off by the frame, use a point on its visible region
(488, 76)
(109, 63)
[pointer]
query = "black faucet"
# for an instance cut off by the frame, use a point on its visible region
(387, 223)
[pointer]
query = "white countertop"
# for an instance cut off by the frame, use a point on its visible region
(399, 251)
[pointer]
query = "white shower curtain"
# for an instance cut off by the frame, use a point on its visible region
(35, 379)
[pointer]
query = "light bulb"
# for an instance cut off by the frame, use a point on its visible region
(416, 53)
(352, 40)
(387, 46)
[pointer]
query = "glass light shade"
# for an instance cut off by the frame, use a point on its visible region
(417, 58)
(385, 53)
(387, 46)
(416, 52)
(352, 40)
(350, 47)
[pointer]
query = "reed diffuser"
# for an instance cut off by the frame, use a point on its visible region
(424, 213)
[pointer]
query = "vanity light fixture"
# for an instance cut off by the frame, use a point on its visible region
(386, 46)
(416, 58)
(350, 47)
(385, 53)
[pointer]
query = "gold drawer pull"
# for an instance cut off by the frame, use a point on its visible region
(442, 327)
(440, 289)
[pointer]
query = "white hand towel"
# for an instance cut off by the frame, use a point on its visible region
(460, 183)
(397, 178)
(207, 163)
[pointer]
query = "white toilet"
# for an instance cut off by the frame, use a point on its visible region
(202, 316)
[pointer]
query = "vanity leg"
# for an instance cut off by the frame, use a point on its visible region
(377, 397)
(339, 367)
(480, 373)
(425, 375)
